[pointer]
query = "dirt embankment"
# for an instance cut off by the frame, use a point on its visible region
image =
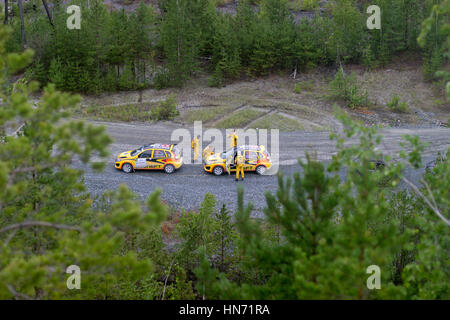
(301, 104)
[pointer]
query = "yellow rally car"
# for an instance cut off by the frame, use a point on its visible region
(165, 157)
(256, 159)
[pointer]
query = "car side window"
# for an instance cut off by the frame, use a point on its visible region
(250, 155)
(168, 154)
(146, 154)
(159, 154)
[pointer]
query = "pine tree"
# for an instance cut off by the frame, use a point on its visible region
(226, 55)
(333, 230)
(180, 35)
(225, 237)
(127, 80)
(196, 230)
(47, 220)
(56, 74)
(347, 31)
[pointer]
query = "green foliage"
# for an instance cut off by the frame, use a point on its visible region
(115, 50)
(166, 110)
(427, 277)
(47, 221)
(126, 80)
(56, 73)
(398, 106)
(197, 230)
(320, 231)
(368, 58)
(186, 31)
(226, 53)
(345, 87)
(108, 41)
(310, 4)
(37, 72)
(225, 237)
(331, 230)
(435, 39)
(347, 34)
(303, 86)
(126, 113)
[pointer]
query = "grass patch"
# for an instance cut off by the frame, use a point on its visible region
(205, 114)
(307, 5)
(126, 113)
(276, 121)
(239, 119)
(164, 110)
(304, 86)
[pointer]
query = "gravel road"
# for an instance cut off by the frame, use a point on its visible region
(187, 186)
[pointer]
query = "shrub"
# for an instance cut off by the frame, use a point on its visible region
(166, 110)
(310, 4)
(398, 106)
(346, 88)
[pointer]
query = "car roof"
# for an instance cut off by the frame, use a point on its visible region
(250, 147)
(159, 146)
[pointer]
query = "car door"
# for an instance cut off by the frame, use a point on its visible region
(142, 161)
(251, 160)
(158, 159)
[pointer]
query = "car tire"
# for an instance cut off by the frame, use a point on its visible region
(127, 168)
(261, 170)
(169, 169)
(218, 171)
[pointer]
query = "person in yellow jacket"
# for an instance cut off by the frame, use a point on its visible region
(195, 144)
(239, 166)
(234, 138)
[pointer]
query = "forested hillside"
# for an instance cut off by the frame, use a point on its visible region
(164, 44)
(321, 230)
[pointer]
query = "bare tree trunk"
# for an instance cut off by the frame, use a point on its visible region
(6, 11)
(48, 12)
(22, 25)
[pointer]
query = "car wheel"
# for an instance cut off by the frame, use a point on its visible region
(260, 170)
(169, 169)
(218, 171)
(127, 168)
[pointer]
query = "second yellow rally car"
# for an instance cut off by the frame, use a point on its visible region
(256, 159)
(165, 157)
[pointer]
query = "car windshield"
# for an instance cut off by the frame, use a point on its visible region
(227, 154)
(177, 152)
(135, 152)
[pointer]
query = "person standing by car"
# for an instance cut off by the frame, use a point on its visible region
(239, 166)
(195, 144)
(234, 138)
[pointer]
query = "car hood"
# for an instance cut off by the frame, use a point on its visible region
(215, 157)
(126, 154)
